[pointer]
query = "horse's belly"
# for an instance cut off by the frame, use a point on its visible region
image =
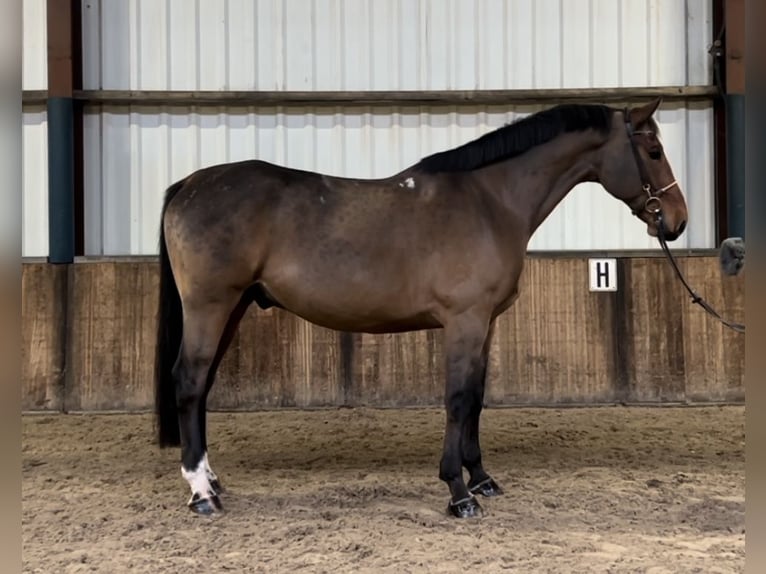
(332, 315)
(373, 325)
(344, 304)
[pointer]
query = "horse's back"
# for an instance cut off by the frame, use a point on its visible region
(329, 248)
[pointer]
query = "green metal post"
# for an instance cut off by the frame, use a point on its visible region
(735, 161)
(61, 228)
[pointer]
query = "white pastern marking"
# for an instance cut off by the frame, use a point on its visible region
(210, 474)
(198, 480)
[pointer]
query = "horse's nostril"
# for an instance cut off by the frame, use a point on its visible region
(681, 228)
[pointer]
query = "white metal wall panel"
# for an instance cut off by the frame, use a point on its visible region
(34, 76)
(34, 199)
(34, 45)
(132, 155)
(132, 158)
(393, 44)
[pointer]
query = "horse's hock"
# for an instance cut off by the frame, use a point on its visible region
(559, 344)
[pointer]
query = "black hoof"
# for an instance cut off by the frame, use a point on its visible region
(216, 486)
(466, 508)
(205, 506)
(487, 487)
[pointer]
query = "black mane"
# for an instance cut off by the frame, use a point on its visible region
(515, 138)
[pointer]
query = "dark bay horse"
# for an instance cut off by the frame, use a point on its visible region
(439, 245)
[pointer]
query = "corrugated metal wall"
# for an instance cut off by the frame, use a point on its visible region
(393, 44)
(132, 157)
(34, 201)
(133, 153)
(34, 205)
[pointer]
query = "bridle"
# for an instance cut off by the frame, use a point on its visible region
(653, 205)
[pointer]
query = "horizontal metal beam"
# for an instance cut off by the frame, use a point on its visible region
(34, 97)
(367, 98)
(678, 253)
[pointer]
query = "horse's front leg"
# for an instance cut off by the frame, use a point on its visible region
(480, 482)
(465, 338)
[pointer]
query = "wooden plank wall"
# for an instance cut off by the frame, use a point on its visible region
(43, 336)
(559, 344)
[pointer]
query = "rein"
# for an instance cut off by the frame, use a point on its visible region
(653, 205)
(695, 298)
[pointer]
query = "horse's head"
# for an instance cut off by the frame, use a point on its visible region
(634, 169)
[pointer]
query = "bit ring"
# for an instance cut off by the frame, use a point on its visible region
(653, 205)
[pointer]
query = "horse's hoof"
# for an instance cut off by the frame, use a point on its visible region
(216, 486)
(487, 487)
(466, 508)
(205, 506)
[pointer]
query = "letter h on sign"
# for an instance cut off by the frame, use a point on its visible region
(603, 274)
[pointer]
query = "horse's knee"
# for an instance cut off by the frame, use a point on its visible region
(465, 389)
(463, 403)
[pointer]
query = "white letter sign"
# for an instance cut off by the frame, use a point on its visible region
(603, 274)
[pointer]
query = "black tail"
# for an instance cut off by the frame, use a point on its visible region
(169, 334)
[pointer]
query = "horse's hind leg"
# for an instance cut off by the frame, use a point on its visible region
(204, 325)
(226, 338)
(480, 482)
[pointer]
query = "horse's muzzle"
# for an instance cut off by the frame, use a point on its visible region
(669, 234)
(673, 235)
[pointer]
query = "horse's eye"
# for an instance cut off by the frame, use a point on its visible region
(655, 154)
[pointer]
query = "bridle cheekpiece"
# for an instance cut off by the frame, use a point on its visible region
(652, 203)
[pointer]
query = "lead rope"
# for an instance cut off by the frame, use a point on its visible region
(695, 297)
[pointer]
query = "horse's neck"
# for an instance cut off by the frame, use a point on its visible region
(537, 182)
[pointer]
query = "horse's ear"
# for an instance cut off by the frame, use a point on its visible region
(641, 114)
